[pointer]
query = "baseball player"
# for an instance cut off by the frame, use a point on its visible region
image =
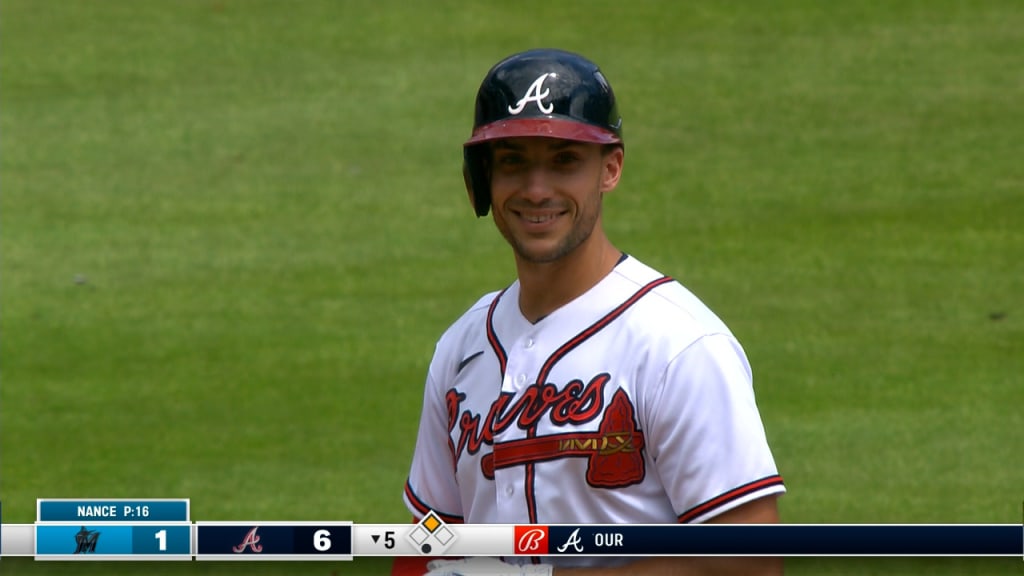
(593, 389)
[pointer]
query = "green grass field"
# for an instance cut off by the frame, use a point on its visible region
(231, 231)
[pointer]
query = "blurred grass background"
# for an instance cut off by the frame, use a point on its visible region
(231, 231)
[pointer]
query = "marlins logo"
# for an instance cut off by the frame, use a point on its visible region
(86, 540)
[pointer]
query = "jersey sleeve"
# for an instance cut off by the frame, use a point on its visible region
(431, 484)
(705, 432)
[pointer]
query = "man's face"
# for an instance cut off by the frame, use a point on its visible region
(546, 193)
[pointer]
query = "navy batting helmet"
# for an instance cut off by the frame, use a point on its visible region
(546, 92)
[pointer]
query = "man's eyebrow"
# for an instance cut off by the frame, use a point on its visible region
(563, 144)
(556, 144)
(504, 145)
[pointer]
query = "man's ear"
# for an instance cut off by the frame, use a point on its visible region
(611, 168)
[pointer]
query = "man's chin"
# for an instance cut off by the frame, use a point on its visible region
(536, 254)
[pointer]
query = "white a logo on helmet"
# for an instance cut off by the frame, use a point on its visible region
(534, 94)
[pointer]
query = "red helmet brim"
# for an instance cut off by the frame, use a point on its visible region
(543, 127)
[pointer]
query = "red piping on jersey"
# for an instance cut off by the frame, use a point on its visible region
(531, 432)
(492, 337)
(423, 508)
(597, 327)
(730, 496)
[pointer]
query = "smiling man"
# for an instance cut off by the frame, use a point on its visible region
(593, 389)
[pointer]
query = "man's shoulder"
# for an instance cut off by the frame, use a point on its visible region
(670, 306)
(477, 310)
(465, 337)
(472, 319)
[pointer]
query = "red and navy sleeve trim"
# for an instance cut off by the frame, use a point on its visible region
(422, 508)
(730, 496)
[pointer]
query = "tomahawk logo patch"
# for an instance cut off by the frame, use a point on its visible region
(534, 94)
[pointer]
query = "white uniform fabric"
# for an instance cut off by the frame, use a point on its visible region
(644, 412)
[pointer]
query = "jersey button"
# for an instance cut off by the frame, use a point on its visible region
(509, 490)
(529, 343)
(521, 379)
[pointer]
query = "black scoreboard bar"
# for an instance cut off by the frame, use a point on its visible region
(785, 540)
(273, 540)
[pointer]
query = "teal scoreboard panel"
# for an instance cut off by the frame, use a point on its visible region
(113, 541)
(113, 529)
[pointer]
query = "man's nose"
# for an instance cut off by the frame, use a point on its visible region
(538, 185)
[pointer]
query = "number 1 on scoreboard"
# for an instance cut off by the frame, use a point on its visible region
(161, 536)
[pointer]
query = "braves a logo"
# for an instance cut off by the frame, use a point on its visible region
(574, 540)
(252, 540)
(613, 451)
(534, 94)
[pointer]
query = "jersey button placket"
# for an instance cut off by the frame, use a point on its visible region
(508, 487)
(520, 370)
(527, 344)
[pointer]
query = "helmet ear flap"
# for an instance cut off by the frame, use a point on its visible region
(476, 175)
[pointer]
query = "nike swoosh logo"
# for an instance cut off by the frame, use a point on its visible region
(467, 360)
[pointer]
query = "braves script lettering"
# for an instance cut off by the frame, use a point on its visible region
(576, 403)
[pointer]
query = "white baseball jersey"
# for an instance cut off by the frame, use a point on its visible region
(631, 404)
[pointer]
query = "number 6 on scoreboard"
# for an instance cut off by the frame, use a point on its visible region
(322, 540)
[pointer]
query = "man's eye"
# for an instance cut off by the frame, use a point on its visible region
(510, 160)
(566, 158)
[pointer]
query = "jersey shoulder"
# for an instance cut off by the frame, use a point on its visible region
(471, 317)
(671, 308)
(466, 335)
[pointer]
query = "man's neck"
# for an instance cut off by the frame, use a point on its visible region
(544, 288)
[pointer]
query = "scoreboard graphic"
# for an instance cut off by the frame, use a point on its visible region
(273, 541)
(431, 536)
(114, 529)
(162, 530)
